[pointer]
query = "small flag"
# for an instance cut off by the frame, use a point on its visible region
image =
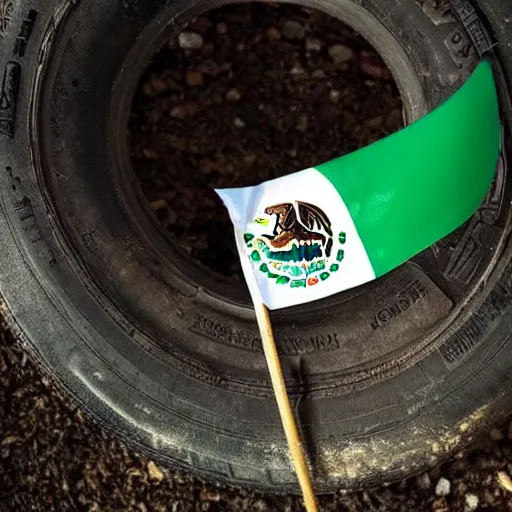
(338, 225)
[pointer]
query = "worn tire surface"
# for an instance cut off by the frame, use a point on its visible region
(167, 364)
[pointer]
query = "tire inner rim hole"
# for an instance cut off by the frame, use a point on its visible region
(243, 94)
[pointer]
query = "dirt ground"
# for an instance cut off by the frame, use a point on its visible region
(54, 459)
(243, 95)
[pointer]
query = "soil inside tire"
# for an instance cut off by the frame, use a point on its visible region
(245, 94)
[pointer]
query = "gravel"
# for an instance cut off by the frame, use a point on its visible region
(52, 458)
(443, 487)
(470, 502)
(190, 41)
(340, 53)
(293, 30)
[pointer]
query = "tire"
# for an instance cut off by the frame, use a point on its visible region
(386, 379)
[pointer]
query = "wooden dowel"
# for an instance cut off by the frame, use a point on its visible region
(276, 376)
(285, 410)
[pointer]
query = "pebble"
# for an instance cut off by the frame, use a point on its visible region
(297, 70)
(190, 41)
(209, 495)
(424, 481)
(149, 153)
(440, 505)
(155, 87)
(334, 95)
(504, 480)
(375, 122)
(238, 122)
(273, 34)
(496, 434)
(443, 487)
(302, 123)
(209, 67)
(154, 472)
(233, 95)
(318, 73)
(293, 30)
(200, 25)
(157, 205)
(470, 502)
(374, 68)
(194, 78)
(182, 111)
(340, 53)
(312, 44)
(222, 29)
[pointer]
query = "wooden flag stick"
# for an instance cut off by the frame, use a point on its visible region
(276, 376)
(285, 410)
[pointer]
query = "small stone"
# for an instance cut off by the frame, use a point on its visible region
(259, 506)
(238, 122)
(155, 87)
(374, 123)
(470, 502)
(250, 158)
(334, 95)
(154, 472)
(222, 29)
(302, 123)
(149, 153)
(424, 481)
(180, 112)
(233, 95)
(504, 480)
(273, 34)
(194, 78)
(190, 41)
(440, 505)
(209, 67)
(11, 440)
(297, 70)
(240, 47)
(209, 495)
(340, 53)
(293, 30)
(496, 434)
(158, 204)
(374, 68)
(318, 73)
(313, 44)
(200, 25)
(443, 487)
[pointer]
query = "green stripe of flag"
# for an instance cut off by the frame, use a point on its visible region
(416, 186)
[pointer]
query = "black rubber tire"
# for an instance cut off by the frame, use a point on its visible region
(387, 379)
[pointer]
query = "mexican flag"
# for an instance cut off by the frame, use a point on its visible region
(343, 223)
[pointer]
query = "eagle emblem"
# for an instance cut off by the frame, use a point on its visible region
(293, 244)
